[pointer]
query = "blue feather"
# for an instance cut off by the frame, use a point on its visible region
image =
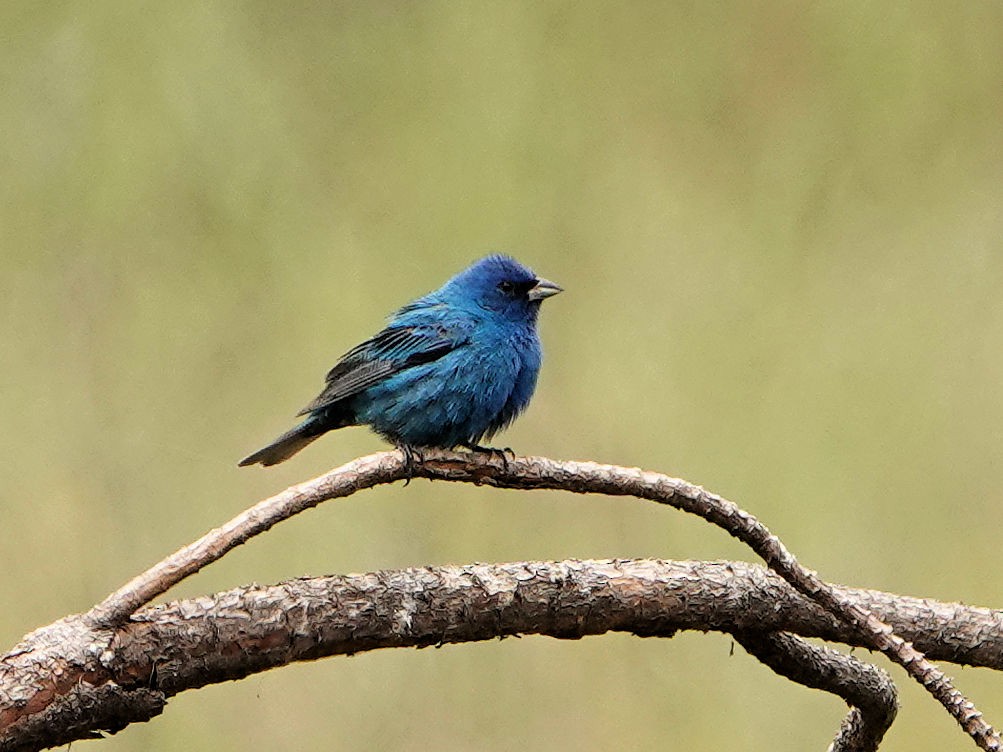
(450, 369)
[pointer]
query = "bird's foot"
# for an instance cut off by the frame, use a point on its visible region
(413, 456)
(502, 454)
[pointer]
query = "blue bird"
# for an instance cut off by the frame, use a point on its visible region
(452, 368)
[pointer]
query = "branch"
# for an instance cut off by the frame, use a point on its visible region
(868, 690)
(535, 473)
(167, 649)
(80, 641)
(111, 677)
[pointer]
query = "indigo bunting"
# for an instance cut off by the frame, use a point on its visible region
(451, 368)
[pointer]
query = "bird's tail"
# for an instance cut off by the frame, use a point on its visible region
(286, 445)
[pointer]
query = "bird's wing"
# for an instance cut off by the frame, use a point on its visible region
(395, 349)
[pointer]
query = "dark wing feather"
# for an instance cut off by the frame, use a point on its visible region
(393, 350)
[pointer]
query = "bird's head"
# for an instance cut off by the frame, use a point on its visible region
(503, 285)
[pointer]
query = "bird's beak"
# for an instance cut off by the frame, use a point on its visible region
(543, 288)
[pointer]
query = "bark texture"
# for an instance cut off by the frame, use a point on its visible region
(122, 660)
(81, 680)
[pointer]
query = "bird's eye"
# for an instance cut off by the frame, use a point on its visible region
(506, 287)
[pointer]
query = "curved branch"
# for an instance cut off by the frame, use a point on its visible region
(41, 670)
(536, 473)
(357, 475)
(868, 690)
(109, 678)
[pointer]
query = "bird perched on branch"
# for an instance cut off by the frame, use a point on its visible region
(452, 368)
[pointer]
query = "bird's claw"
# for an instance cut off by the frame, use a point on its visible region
(493, 452)
(413, 456)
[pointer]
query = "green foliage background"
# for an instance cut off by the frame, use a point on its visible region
(779, 226)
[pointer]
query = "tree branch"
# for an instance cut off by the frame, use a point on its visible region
(868, 690)
(170, 648)
(74, 659)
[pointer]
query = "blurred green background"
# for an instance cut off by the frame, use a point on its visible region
(779, 226)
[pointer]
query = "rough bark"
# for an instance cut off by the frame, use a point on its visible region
(114, 664)
(868, 690)
(109, 677)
